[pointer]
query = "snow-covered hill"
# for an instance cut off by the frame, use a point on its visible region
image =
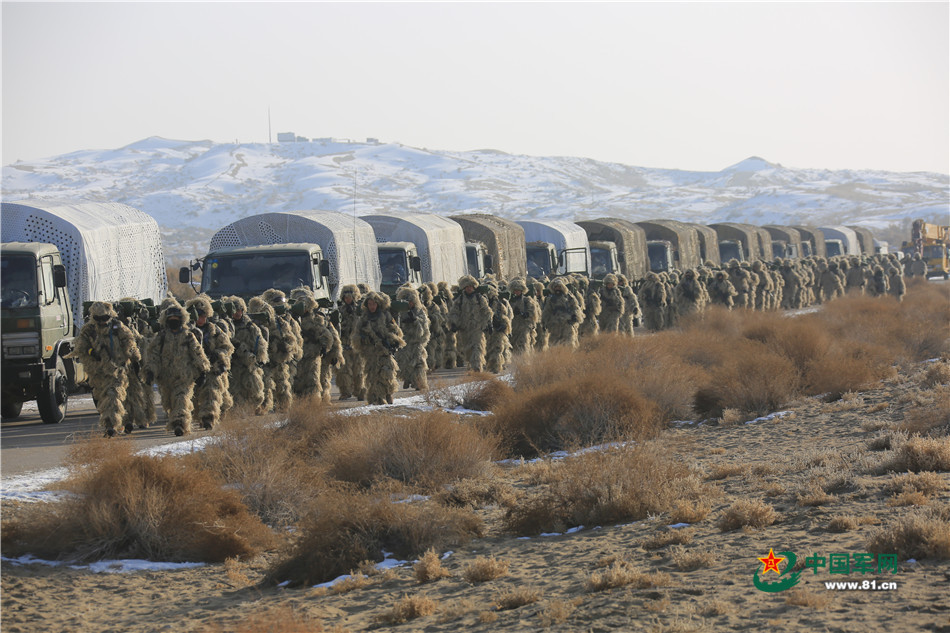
(192, 188)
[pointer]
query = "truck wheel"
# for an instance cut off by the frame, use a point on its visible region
(53, 397)
(10, 409)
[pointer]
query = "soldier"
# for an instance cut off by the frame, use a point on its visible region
(879, 283)
(652, 299)
(689, 296)
(139, 403)
(414, 323)
(561, 315)
(377, 338)
(445, 297)
(176, 362)
(108, 351)
(764, 288)
(278, 388)
(318, 341)
(498, 344)
(350, 377)
(612, 304)
(896, 283)
(856, 277)
(631, 306)
(438, 325)
(829, 281)
(217, 347)
(742, 282)
(333, 358)
(592, 309)
(721, 290)
(918, 267)
(278, 300)
(536, 289)
(470, 317)
(247, 359)
(526, 316)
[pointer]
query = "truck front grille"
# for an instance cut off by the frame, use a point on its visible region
(21, 345)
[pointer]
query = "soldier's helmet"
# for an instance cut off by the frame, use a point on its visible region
(237, 302)
(408, 294)
(653, 277)
(518, 285)
(201, 305)
(878, 271)
(720, 275)
(733, 263)
(757, 265)
(557, 285)
(381, 299)
(300, 292)
(257, 304)
(621, 279)
(467, 280)
(689, 274)
(274, 297)
(425, 293)
(363, 288)
(446, 289)
(173, 311)
(610, 278)
(352, 290)
(102, 312)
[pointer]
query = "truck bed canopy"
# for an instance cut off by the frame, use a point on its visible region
(747, 234)
(865, 239)
(815, 237)
(565, 236)
(503, 238)
(347, 242)
(684, 238)
(630, 240)
(110, 250)
(708, 243)
(439, 241)
(847, 236)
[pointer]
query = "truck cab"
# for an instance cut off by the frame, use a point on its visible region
(604, 259)
(781, 248)
(37, 331)
(399, 262)
(662, 257)
(545, 260)
(478, 261)
(731, 249)
(834, 248)
(247, 271)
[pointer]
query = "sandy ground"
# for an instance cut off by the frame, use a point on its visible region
(769, 459)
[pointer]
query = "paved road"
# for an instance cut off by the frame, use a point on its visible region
(26, 444)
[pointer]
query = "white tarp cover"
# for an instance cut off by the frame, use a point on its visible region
(848, 237)
(110, 250)
(347, 242)
(564, 235)
(440, 242)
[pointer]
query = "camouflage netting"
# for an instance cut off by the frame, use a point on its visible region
(503, 238)
(348, 242)
(684, 238)
(785, 234)
(747, 234)
(815, 237)
(110, 250)
(630, 240)
(865, 239)
(440, 241)
(708, 243)
(565, 236)
(847, 236)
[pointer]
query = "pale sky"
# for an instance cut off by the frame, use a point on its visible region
(696, 86)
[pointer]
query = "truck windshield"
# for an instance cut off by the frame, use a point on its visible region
(832, 248)
(252, 274)
(600, 261)
(728, 251)
(18, 281)
(471, 256)
(659, 257)
(392, 264)
(778, 249)
(539, 261)
(934, 251)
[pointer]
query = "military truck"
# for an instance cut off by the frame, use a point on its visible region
(932, 243)
(323, 250)
(813, 241)
(865, 239)
(418, 247)
(555, 247)
(708, 243)
(741, 242)
(616, 246)
(672, 245)
(57, 255)
(493, 246)
(786, 241)
(840, 240)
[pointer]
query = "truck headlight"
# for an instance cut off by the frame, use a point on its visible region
(21, 345)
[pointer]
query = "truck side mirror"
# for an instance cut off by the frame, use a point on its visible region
(415, 262)
(324, 268)
(184, 275)
(59, 275)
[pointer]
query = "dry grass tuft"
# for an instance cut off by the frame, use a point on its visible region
(843, 523)
(937, 374)
(606, 487)
(690, 559)
(926, 483)
(923, 533)
(514, 598)
(722, 471)
(930, 417)
(351, 583)
(409, 608)
(803, 598)
(921, 454)
(131, 506)
(429, 568)
(668, 537)
(689, 511)
(558, 611)
(621, 575)
(347, 528)
(279, 619)
(478, 493)
(483, 569)
(747, 512)
(475, 391)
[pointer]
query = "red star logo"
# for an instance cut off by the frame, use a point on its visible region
(771, 562)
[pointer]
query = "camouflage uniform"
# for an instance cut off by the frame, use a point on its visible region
(498, 344)
(561, 315)
(612, 304)
(652, 299)
(209, 395)
(631, 308)
(445, 297)
(377, 338)
(764, 288)
(829, 281)
(175, 361)
(897, 286)
(879, 283)
(285, 322)
(742, 283)
(317, 340)
(856, 277)
(438, 319)
(350, 377)
(526, 316)
(279, 349)
(247, 359)
(414, 323)
(108, 351)
(721, 290)
(689, 296)
(470, 316)
(333, 358)
(592, 309)
(139, 402)
(541, 334)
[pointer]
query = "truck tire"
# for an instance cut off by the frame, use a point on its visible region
(10, 409)
(53, 396)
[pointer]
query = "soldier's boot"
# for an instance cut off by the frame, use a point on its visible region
(389, 398)
(405, 384)
(128, 427)
(178, 427)
(207, 422)
(108, 425)
(362, 394)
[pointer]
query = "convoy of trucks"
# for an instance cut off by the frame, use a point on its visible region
(56, 256)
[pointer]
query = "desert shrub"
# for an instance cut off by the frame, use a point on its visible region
(926, 483)
(574, 412)
(477, 391)
(937, 374)
(751, 378)
(279, 619)
(131, 506)
(514, 598)
(800, 597)
(477, 493)
(603, 487)
(429, 567)
(428, 449)
(409, 608)
(485, 568)
(747, 512)
(920, 454)
(690, 559)
(665, 538)
(931, 417)
(922, 533)
(346, 528)
(558, 611)
(621, 575)
(689, 511)
(843, 523)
